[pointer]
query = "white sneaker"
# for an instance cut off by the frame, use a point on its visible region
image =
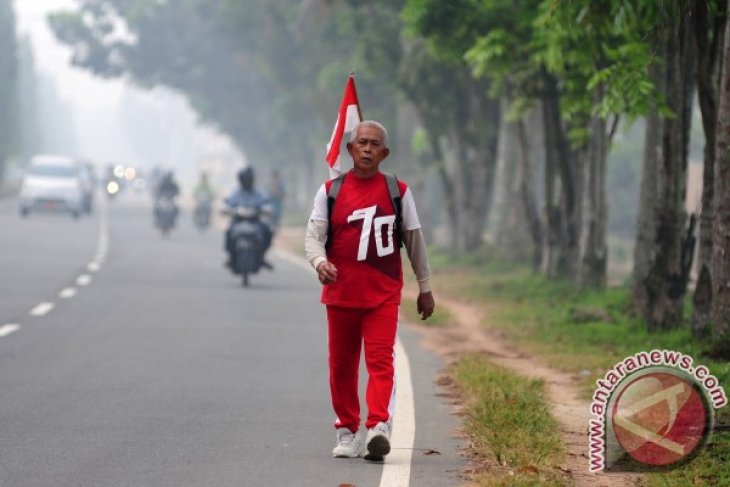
(378, 442)
(349, 444)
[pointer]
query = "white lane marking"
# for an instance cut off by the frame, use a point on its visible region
(93, 266)
(6, 330)
(83, 280)
(42, 309)
(67, 293)
(397, 467)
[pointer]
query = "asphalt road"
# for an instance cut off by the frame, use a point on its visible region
(128, 359)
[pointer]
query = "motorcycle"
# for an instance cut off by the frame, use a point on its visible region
(248, 239)
(201, 213)
(165, 215)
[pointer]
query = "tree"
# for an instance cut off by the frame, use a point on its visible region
(266, 72)
(720, 262)
(462, 124)
(708, 22)
(663, 253)
(8, 85)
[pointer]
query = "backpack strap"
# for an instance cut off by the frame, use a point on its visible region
(394, 190)
(331, 197)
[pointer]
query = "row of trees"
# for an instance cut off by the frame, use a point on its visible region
(8, 86)
(524, 93)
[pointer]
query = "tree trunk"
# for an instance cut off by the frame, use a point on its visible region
(595, 254)
(527, 192)
(503, 216)
(665, 282)
(721, 208)
(708, 41)
(645, 222)
(563, 190)
(487, 113)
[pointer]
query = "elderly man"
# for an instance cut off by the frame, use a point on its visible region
(353, 241)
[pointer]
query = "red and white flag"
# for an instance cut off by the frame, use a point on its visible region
(347, 118)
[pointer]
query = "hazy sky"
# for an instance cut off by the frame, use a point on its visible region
(100, 133)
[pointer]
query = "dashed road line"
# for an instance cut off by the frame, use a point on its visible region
(83, 280)
(93, 266)
(6, 330)
(42, 309)
(68, 292)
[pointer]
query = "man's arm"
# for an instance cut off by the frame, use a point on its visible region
(316, 237)
(314, 242)
(416, 248)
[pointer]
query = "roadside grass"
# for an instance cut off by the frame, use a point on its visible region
(509, 424)
(581, 332)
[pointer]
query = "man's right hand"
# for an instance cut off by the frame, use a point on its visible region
(327, 272)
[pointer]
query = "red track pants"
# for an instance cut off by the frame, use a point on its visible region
(349, 330)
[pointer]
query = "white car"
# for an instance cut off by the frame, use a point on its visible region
(52, 183)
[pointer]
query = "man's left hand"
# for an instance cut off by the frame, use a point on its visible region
(425, 305)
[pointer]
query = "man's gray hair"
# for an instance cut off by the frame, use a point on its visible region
(373, 124)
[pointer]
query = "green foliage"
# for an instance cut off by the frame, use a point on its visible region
(509, 423)
(587, 45)
(267, 72)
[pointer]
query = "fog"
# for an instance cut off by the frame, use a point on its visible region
(114, 121)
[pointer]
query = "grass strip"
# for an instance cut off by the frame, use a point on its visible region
(509, 424)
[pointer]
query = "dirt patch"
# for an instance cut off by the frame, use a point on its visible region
(468, 335)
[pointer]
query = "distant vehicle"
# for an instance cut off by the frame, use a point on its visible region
(52, 183)
(165, 215)
(248, 237)
(201, 213)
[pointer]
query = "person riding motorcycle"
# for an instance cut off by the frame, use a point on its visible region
(203, 195)
(247, 196)
(167, 189)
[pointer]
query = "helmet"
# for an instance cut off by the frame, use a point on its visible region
(246, 177)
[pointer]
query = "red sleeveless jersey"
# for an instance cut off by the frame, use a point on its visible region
(363, 246)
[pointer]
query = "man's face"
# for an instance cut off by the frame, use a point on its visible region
(368, 150)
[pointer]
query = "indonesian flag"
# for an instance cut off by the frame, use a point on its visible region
(347, 118)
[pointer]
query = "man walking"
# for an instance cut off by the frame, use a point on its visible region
(353, 241)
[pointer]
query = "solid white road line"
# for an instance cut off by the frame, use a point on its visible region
(67, 293)
(83, 280)
(397, 467)
(6, 330)
(42, 309)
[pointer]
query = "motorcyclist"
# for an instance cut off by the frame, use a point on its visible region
(203, 195)
(247, 196)
(203, 190)
(167, 189)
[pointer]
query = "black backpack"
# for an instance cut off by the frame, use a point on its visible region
(393, 190)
